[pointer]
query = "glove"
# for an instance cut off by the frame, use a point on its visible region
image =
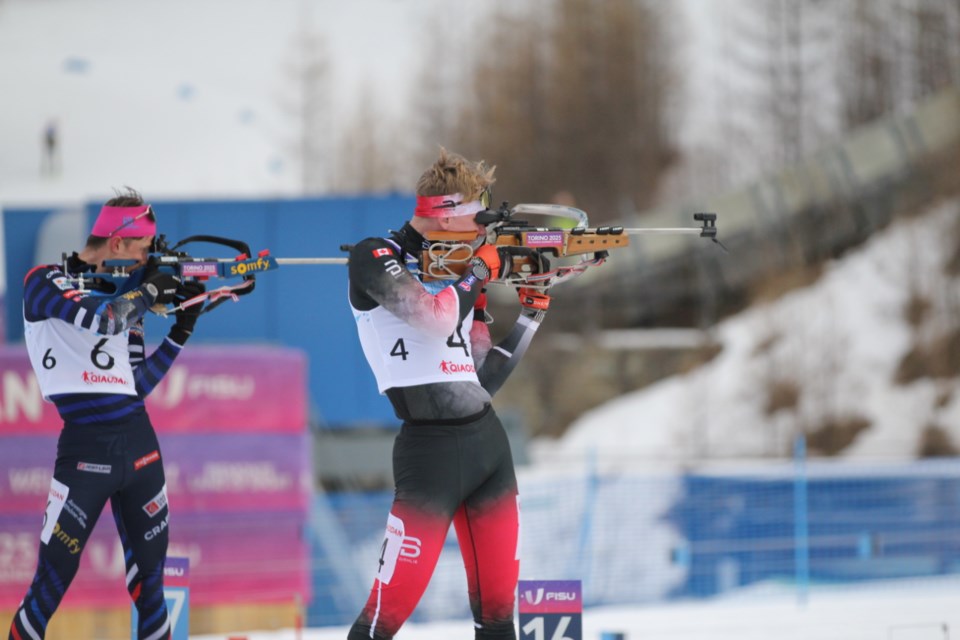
(162, 286)
(486, 263)
(533, 299)
(186, 318)
(497, 261)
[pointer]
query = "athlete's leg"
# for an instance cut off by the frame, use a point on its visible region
(425, 474)
(79, 490)
(488, 526)
(141, 514)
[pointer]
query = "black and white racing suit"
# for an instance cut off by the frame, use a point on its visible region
(87, 350)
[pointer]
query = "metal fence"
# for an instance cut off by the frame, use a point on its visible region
(650, 537)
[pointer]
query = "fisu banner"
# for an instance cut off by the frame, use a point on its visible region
(234, 557)
(208, 389)
(238, 508)
(210, 473)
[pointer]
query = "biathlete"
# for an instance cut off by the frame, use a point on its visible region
(430, 350)
(85, 340)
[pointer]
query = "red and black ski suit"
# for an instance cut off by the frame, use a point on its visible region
(451, 459)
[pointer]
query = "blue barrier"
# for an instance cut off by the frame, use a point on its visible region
(677, 536)
(743, 530)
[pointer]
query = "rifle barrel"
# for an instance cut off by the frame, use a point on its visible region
(663, 231)
(311, 260)
(633, 231)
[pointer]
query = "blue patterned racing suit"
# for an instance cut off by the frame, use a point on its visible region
(107, 450)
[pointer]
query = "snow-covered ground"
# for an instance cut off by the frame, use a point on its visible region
(839, 341)
(920, 610)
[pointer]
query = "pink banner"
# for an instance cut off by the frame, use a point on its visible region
(236, 557)
(26, 466)
(208, 389)
(209, 473)
(236, 450)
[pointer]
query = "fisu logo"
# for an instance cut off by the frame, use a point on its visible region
(555, 596)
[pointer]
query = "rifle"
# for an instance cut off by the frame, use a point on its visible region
(176, 262)
(450, 253)
(446, 258)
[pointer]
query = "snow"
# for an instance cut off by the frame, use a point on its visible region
(840, 340)
(924, 611)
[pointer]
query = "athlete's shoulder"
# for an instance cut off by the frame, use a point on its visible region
(375, 255)
(43, 284)
(374, 249)
(43, 272)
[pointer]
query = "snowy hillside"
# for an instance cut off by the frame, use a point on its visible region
(835, 345)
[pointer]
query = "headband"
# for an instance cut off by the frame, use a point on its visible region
(125, 222)
(446, 206)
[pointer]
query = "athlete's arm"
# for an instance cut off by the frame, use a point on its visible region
(48, 293)
(378, 277)
(480, 341)
(149, 371)
(497, 363)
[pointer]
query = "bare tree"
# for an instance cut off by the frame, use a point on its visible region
(441, 77)
(312, 142)
(926, 53)
(608, 94)
(932, 46)
(367, 163)
(866, 80)
(567, 96)
(786, 50)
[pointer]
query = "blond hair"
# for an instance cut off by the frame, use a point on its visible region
(452, 173)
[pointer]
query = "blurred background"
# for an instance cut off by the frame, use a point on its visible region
(689, 423)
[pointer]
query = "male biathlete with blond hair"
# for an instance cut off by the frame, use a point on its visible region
(430, 351)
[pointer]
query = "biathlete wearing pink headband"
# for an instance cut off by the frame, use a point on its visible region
(86, 346)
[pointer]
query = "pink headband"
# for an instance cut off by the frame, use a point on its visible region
(446, 206)
(125, 222)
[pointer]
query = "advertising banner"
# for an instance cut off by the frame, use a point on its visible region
(204, 473)
(208, 390)
(550, 609)
(234, 557)
(232, 424)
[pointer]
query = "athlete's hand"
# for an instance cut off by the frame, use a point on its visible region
(162, 286)
(534, 299)
(187, 317)
(486, 263)
(498, 261)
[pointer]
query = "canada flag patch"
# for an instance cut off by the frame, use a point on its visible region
(379, 253)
